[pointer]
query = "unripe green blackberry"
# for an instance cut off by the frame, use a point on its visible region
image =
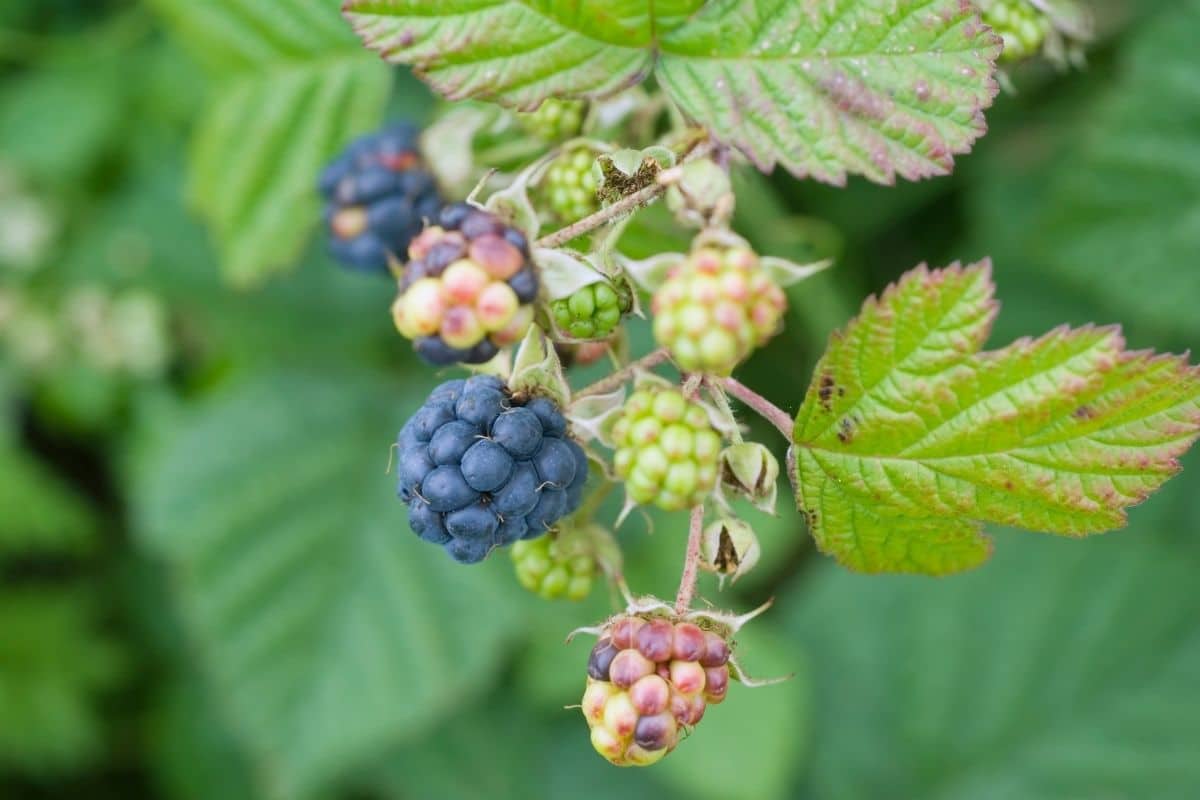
(715, 307)
(555, 119)
(569, 186)
(592, 312)
(1022, 27)
(555, 566)
(667, 451)
(650, 680)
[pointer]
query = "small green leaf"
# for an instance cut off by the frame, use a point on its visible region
(537, 368)
(909, 438)
(872, 87)
(291, 86)
(330, 631)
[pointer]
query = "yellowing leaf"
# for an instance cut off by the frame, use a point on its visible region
(910, 438)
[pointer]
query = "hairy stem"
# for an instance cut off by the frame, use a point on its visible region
(625, 205)
(760, 405)
(608, 384)
(691, 562)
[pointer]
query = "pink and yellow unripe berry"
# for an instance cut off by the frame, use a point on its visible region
(715, 307)
(647, 685)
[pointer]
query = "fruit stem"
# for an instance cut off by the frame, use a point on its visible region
(691, 562)
(760, 405)
(625, 205)
(618, 378)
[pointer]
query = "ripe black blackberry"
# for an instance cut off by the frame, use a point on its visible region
(480, 469)
(378, 194)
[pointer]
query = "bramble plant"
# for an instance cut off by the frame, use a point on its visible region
(910, 435)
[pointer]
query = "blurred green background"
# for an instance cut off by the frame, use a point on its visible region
(209, 590)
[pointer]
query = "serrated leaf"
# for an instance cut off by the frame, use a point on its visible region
(909, 438)
(330, 631)
(56, 663)
(873, 87)
(1063, 670)
(519, 53)
(291, 87)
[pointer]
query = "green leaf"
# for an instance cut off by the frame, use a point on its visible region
(291, 86)
(39, 513)
(1119, 219)
(909, 437)
(55, 664)
(871, 87)
(328, 628)
(1064, 670)
(852, 86)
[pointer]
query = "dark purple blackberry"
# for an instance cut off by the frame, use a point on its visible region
(480, 470)
(378, 195)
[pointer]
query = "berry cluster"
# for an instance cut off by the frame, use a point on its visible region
(648, 680)
(468, 288)
(555, 119)
(592, 312)
(1022, 27)
(715, 307)
(666, 449)
(377, 195)
(555, 566)
(569, 186)
(480, 469)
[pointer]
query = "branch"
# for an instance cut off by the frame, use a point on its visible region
(761, 406)
(625, 205)
(608, 384)
(691, 562)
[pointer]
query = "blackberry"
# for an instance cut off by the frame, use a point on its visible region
(650, 679)
(555, 119)
(592, 312)
(568, 189)
(1022, 26)
(480, 469)
(468, 289)
(667, 451)
(715, 307)
(377, 194)
(560, 565)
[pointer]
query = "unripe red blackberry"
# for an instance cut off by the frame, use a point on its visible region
(667, 451)
(715, 307)
(650, 679)
(468, 289)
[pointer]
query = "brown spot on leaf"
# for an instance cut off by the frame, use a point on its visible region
(1084, 412)
(825, 391)
(846, 430)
